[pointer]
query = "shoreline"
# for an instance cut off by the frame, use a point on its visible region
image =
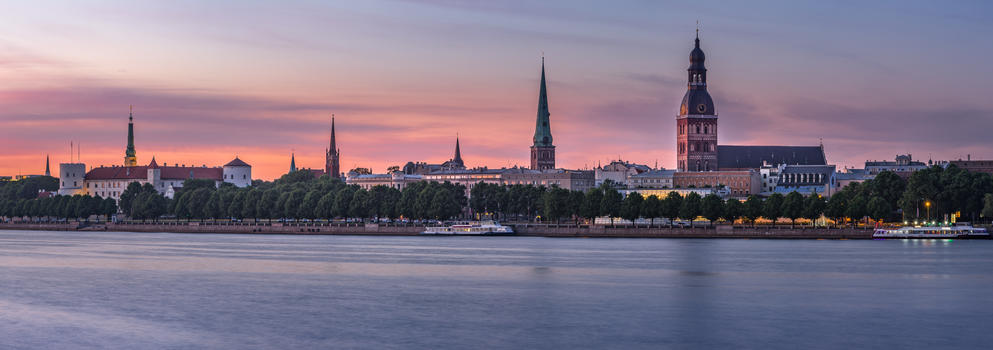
(523, 230)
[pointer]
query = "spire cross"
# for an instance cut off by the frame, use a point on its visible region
(698, 29)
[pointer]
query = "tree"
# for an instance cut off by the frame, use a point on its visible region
(576, 200)
(610, 204)
(889, 186)
(773, 207)
(733, 209)
(236, 208)
(128, 196)
(878, 208)
(109, 207)
(266, 205)
(988, 206)
(249, 208)
(590, 207)
(712, 208)
(325, 206)
(690, 209)
(856, 208)
(631, 206)
(837, 206)
(359, 205)
(197, 202)
(793, 207)
(361, 171)
(813, 207)
(753, 208)
(556, 203)
(671, 205)
(342, 201)
(651, 208)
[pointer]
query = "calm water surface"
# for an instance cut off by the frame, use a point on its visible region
(68, 290)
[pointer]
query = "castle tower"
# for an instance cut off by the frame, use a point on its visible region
(542, 150)
(129, 154)
(696, 125)
(332, 156)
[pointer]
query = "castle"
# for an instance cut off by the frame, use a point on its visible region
(110, 182)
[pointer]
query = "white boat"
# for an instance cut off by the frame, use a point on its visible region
(935, 232)
(472, 228)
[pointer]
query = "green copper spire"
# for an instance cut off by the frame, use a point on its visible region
(129, 154)
(542, 130)
(293, 162)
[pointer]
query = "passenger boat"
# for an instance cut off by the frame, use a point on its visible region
(472, 228)
(935, 232)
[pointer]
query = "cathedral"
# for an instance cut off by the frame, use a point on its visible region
(697, 147)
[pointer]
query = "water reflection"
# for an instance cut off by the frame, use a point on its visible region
(141, 290)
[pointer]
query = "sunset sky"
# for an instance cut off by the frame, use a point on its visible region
(214, 79)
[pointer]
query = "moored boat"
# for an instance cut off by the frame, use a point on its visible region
(472, 228)
(932, 232)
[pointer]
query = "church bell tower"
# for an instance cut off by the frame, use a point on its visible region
(696, 125)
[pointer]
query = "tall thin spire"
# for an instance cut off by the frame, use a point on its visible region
(293, 162)
(458, 152)
(542, 129)
(332, 166)
(542, 150)
(48, 170)
(129, 155)
(333, 144)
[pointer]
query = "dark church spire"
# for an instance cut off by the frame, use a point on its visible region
(129, 155)
(48, 169)
(332, 157)
(458, 153)
(293, 162)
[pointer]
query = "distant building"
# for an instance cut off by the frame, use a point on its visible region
(651, 179)
(754, 157)
(573, 180)
(843, 179)
(618, 171)
(982, 166)
(422, 168)
(578, 180)
(904, 165)
(740, 183)
(110, 182)
(397, 180)
(806, 179)
(661, 193)
(542, 150)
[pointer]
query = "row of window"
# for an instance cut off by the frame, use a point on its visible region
(705, 128)
(704, 146)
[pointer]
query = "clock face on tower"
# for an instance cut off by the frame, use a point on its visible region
(702, 108)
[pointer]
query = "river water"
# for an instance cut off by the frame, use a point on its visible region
(74, 290)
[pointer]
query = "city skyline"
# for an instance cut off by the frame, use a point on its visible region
(446, 69)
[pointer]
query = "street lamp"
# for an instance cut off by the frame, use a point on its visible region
(927, 204)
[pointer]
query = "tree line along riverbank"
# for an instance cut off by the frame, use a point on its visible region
(927, 195)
